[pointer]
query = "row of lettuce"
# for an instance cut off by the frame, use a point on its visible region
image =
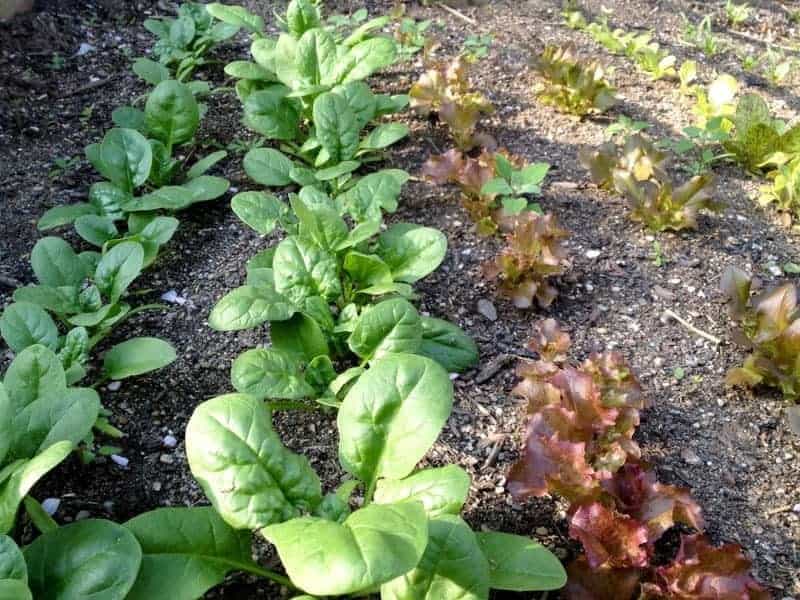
(336, 292)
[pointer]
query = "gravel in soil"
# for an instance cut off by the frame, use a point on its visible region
(733, 449)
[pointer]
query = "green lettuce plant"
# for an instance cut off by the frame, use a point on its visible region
(184, 41)
(767, 325)
(570, 85)
(784, 189)
(332, 293)
(758, 140)
(406, 540)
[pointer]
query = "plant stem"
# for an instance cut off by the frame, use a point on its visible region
(289, 405)
(38, 515)
(370, 491)
(256, 570)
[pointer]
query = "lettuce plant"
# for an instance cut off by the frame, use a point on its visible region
(533, 255)
(184, 41)
(570, 85)
(757, 139)
(493, 185)
(767, 325)
(784, 190)
(579, 445)
(637, 170)
(446, 90)
(333, 293)
(406, 539)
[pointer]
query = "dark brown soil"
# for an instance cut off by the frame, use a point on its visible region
(733, 449)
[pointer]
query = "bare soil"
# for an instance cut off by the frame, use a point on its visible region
(732, 448)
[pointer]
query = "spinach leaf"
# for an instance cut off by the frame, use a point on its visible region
(520, 564)
(441, 490)
(171, 113)
(374, 544)
(270, 373)
(388, 327)
(448, 345)
(336, 127)
(251, 479)
(392, 415)
(411, 251)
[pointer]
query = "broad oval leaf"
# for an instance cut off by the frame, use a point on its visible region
(251, 479)
(301, 335)
(388, 327)
(441, 491)
(244, 69)
(87, 559)
(360, 99)
(411, 251)
(236, 15)
(303, 270)
(520, 564)
(126, 158)
(392, 416)
(259, 210)
(205, 163)
(96, 229)
(12, 563)
(55, 263)
(64, 215)
(185, 552)
(172, 114)
(374, 544)
(384, 135)
(448, 345)
(248, 306)
(316, 57)
(24, 324)
(273, 115)
(336, 127)
(118, 268)
(452, 568)
(268, 166)
(364, 59)
(270, 373)
(302, 15)
(137, 356)
(150, 71)
(206, 187)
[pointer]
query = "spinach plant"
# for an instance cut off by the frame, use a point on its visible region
(331, 293)
(133, 163)
(184, 41)
(407, 540)
(42, 420)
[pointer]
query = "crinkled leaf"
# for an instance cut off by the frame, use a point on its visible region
(303, 270)
(268, 166)
(269, 373)
(55, 263)
(411, 251)
(388, 327)
(259, 210)
(248, 306)
(441, 490)
(24, 324)
(448, 345)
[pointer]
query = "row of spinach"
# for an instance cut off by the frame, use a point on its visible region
(337, 293)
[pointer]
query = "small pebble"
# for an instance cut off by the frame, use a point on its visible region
(50, 505)
(690, 456)
(170, 441)
(120, 460)
(592, 254)
(487, 309)
(114, 386)
(84, 514)
(166, 459)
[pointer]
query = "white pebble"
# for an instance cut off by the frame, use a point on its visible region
(120, 460)
(592, 254)
(50, 505)
(173, 298)
(114, 386)
(170, 441)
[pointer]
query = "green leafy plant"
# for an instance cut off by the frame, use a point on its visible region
(330, 294)
(407, 539)
(570, 85)
(767, 326)
(776, 65)
(699, 148)
(625, 126)
(701, 35)
(410, 33)
(637, 170)
(446, 90)
(716, 101)
(687, 75)
(139, 159)
(757, 139)
(493, 185)
(184, 41)
(736, 13)
(534, 254)
(784, 190)
(476, 47)
(63, 165)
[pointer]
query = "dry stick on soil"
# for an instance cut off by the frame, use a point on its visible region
(671, 315)
(780, 509)
(458, 14)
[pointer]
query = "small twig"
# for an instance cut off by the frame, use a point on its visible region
(493, 454)
(757, 40)
(458, 13)
(714, 340)
(780, 509)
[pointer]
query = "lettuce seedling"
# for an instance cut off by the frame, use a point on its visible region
(184, 41)
(757, 139)
(418, 510)
(637, 170)
(716, 101)
(493, 185)
(572, 86)
(332, 293)
(784, 189)
(534, 254)
(767, 325)
(446, 91)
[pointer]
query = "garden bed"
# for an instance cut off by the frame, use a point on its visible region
(733, 449)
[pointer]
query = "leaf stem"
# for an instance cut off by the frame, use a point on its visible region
(290, 405)
(370, 491)
(43, 522)
(271, 575)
